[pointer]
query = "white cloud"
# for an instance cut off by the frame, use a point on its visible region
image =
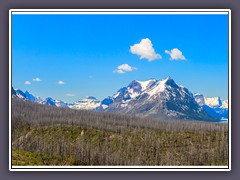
(175, 54)
(37, 79)
(145, 50)
(70, 95)
(121, 69)
(27, 83)
(61, 82)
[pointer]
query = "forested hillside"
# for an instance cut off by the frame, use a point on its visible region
(45, 135)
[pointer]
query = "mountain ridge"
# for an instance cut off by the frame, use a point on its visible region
(214, 106)
(159, 99)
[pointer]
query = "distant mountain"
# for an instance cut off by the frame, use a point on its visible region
(48, 101)
(88, 103)
(161, 99)
(214, 106)
(25, 95)
(31, 97)
(105, 103)
(20, 94)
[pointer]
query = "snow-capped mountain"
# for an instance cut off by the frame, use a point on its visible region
(31, 97)
(199, 98)
(125, 94)
(25, 95)
(214, 106)
(52, 102)
(213, 102)
(20, 94)
(88, 103)
(160, 99)
(48, 101)
(156, 99)
(225, 104)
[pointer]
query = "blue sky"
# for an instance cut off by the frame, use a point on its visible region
(74, 56)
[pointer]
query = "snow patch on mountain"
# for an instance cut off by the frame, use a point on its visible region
(214, 106)
(88, 103)
(199, 98)
(225, 104)
(146, 84)
(213, 102)
(53, 102)
(160, 86)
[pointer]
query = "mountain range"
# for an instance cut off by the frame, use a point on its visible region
(214, 106)
(158, 99)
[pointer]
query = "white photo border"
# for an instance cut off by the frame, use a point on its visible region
(120, 11)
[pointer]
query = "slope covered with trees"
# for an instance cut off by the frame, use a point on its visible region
(45, 135)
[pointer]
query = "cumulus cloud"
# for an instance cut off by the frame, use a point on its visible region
(37, 79)
(70, 95)
(121, 69)
(61, 82)
(145, 50)
(27, 82)
(175, 54)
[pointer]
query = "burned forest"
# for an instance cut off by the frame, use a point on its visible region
(45, 135)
